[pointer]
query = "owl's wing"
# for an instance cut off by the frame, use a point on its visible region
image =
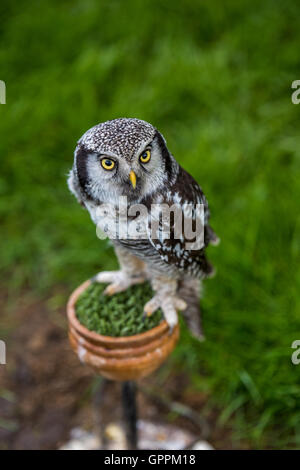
(172, 237)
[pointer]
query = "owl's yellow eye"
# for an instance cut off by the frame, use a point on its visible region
(107, 163)
(145, 156)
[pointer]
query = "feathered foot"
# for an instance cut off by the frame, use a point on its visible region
(119, 281)
(169, 305)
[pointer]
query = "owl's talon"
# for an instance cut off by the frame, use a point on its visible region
(111, 289)
(169, 305)
(118, 281)
(151, 306)
(144, 316)
(171, 329)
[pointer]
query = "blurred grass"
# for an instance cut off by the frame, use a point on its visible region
(215, 78)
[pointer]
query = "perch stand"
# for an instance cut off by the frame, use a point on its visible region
(124, 359)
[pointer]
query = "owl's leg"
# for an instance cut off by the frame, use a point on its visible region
(165, 298)
(132, 272)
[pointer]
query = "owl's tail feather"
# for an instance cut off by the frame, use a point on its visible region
(210, 237)
(190, 290)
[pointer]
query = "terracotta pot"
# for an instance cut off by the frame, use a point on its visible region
(124, 358)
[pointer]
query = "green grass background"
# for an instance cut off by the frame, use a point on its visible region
(215, 77)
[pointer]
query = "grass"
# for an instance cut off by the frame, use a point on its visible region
(215, 78)
(119, 315)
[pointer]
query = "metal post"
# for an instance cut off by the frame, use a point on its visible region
(100, 395)
(130, 413)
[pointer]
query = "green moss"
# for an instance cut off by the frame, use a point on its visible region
(118, 315)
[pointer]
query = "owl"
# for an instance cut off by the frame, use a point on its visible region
(128, 160)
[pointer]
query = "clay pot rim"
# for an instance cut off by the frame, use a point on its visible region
(93, 336)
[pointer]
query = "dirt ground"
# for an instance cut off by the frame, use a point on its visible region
(45, 391)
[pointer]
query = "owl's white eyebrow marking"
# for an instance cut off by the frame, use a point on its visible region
(108, 154)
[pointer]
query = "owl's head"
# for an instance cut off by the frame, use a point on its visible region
(122, 157)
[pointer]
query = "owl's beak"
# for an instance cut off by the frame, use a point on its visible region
(132, 177)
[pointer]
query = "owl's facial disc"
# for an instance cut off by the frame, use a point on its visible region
(123, 157)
